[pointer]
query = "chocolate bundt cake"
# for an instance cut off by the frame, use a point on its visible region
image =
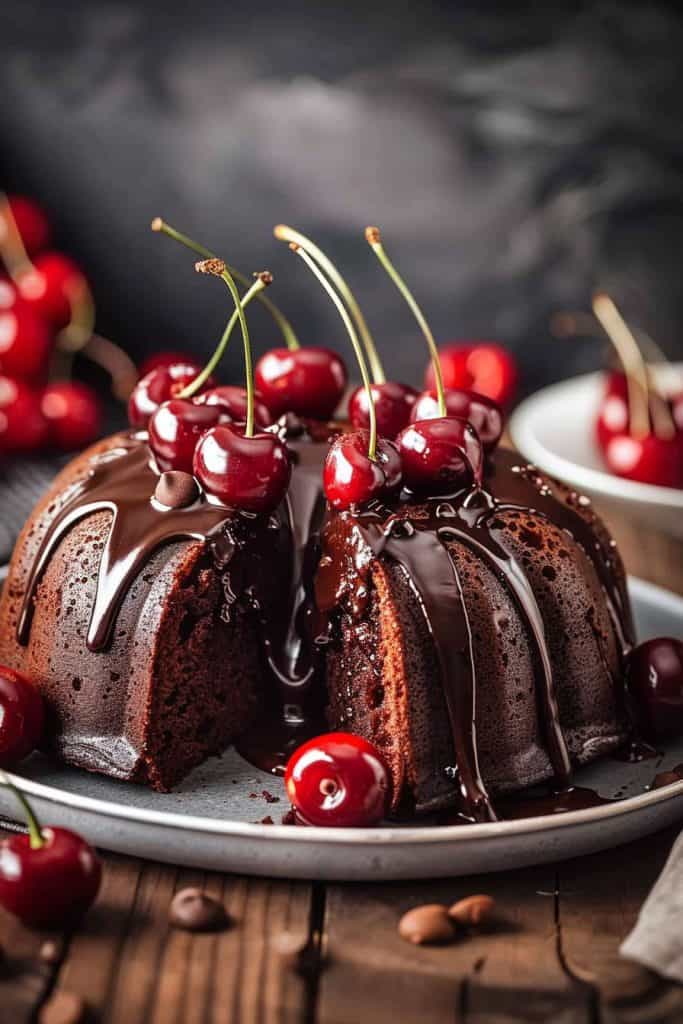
(477, 640)
(154, 631)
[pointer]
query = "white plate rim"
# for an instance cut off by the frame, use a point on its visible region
(524, 438)
(408, 835)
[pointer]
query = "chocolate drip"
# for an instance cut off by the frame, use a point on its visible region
(122, 482)
(411, 534)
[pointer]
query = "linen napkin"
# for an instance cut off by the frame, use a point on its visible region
(657, 938)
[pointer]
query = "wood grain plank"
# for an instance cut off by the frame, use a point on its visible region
(600, 897)
(511, 972)
(132, 968)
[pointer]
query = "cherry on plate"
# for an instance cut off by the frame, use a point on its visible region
(648, 460)
(485, 415)
(158, 386)
(338, 780)
(440, 455)
(176, 427)
(22, 717)
(351, 477)
(249, 473)
(309, 381)
(654, 681)
(394, 403)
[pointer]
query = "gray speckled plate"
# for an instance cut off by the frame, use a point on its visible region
(213, 820)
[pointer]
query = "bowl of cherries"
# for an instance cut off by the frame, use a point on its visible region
(615, 435)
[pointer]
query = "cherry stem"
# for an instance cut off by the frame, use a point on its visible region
(566, 324)
(262, 281)
(218, 269)
(374, 239)
(114, 361)
(287, 234)
(621, 336)
(12, 248)
(81, 325)
(36, 837)
(290, 338)
(357, 347)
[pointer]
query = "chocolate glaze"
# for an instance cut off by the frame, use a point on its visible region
(124, 480)
(414, 534)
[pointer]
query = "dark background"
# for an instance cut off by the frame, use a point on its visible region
(515, 157)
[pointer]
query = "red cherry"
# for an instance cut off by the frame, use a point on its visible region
(22, 717)
(338, 780)
(249, 473)
(232, 401)
(613, 412)
(25, 338)
(74, 413)
(649, 460)
(483, 367)
(654, 680)
(351, 477)
(308, 381)
(51, 285)
(176, 427)
(483, 413)
(440, 455)
(23, 428)
(53, 885)
(31, 223)
(164, 359)
(156, 387)
(393, 405)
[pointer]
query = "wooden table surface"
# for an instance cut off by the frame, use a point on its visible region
(332, 954)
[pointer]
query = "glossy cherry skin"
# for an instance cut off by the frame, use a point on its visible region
(22, 717)
(440, 455)
(165, 358)
(351, 477)
(394, 403)
(654, 680)
(52, 886)
(232, 400)
(23, 428)
(156, 387)
(485, 415)
(338, 780)
(73, 412)
(248, 473)
(480, 366)
(613, 415)
(31, 223)
(25, 337)
(308, 381)
(176, 427)
(52, 286)
(649, 460)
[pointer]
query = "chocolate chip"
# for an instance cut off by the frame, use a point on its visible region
(176, 489)
(194, 911)
(63, 1008)
(427, 925)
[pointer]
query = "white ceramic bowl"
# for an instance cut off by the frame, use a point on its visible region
(554, 429)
